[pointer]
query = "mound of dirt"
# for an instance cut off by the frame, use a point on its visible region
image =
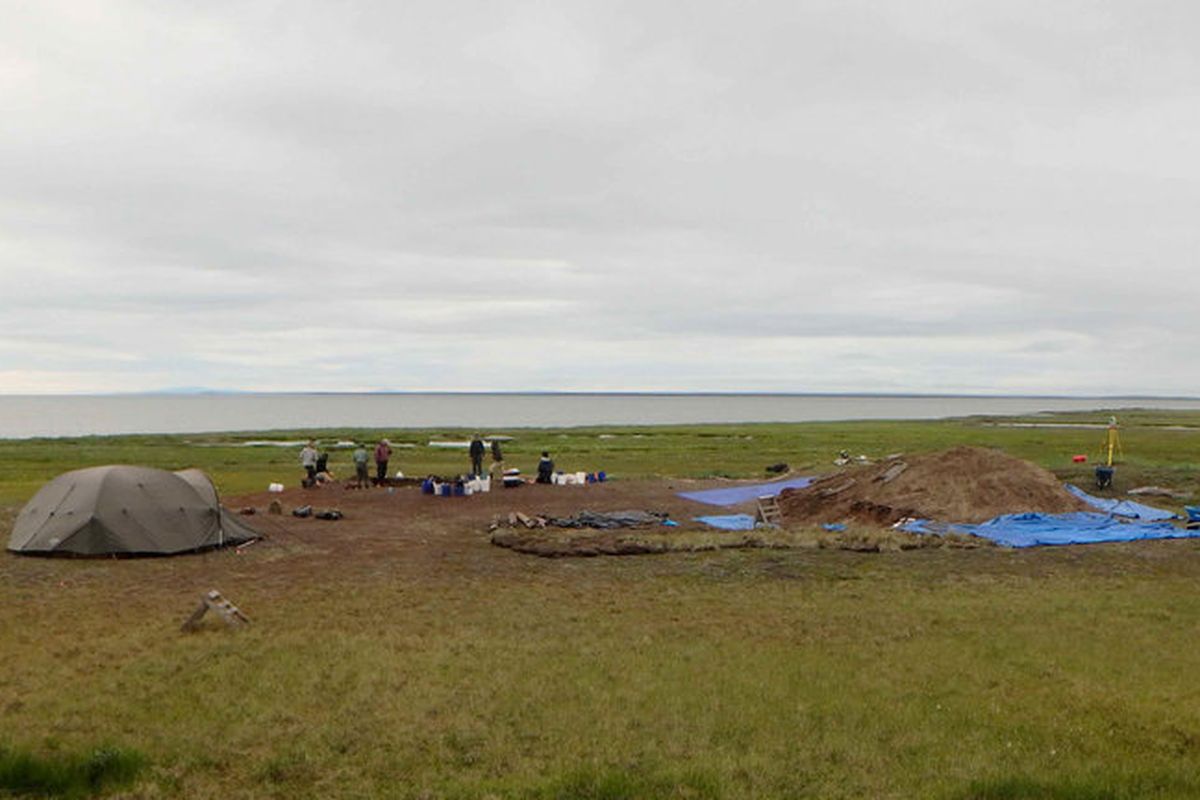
(963, 484)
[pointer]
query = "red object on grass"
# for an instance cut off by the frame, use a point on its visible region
(1079, 459)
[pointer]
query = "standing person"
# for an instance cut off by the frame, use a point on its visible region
(383, 452)
(308, 460)
(497, 459)
(476, 450)
(362, 477)
(545, 468)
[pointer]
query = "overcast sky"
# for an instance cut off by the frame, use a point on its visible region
(995, 197)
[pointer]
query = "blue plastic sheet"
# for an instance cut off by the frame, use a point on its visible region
(735, 495)
(729, 522)
(1122, 508)
(1081, 527)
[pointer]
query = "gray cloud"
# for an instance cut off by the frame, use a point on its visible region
(818, 196)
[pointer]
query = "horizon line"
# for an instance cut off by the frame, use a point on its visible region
(601, 393)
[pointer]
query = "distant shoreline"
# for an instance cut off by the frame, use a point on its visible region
(534, 393)
(33, 416)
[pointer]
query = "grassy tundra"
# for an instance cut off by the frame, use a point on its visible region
(437, 666)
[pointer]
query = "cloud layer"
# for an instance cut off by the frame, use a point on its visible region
(762, 196)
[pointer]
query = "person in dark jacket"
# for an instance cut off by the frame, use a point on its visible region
(476, 451)
(545, 468)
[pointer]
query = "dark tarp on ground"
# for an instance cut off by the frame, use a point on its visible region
(1080, 527)
(126, 510)
(609, 519)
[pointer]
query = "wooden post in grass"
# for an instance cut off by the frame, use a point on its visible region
(232, 615)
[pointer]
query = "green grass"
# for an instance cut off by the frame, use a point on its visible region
(1155, 452)
(1110, 785)
(23, 773)
(735, 676)
(1059, 673)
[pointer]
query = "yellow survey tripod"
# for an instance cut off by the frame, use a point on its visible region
(1112, 443)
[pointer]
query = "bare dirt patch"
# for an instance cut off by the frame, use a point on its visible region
(415, 533)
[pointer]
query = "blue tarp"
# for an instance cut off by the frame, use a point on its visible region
(1122, 508)
(1080, 527)
(729, 522)
(736, 495)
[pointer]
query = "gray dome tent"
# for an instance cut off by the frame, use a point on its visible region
(127, 511)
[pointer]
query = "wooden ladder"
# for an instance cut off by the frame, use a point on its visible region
(769, 512)
(226, 610)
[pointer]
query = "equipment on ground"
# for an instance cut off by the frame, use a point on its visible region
(1193, 517)
(1112, 442)
(769, 512)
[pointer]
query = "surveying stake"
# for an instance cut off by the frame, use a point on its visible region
(1112, 442)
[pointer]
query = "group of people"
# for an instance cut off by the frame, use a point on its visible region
(477, 449)
(316, 462)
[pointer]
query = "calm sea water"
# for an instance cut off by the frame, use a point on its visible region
(75, 415)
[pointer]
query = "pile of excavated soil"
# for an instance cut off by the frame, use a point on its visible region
(963, 484)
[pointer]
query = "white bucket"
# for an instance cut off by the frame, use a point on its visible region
(275, 487)
(581, 478)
